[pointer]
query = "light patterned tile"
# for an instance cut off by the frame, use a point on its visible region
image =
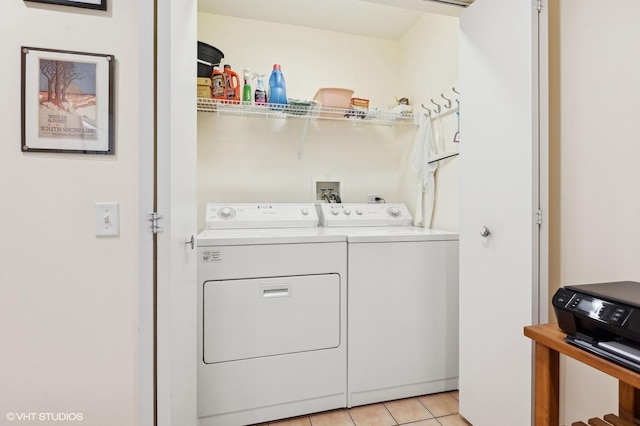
(332, 418)
(296, 421)
(440, 404)
(453, 420)
(407, 410)
(430, 422)
(372, 415)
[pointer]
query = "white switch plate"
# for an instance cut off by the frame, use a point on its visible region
(107, 219)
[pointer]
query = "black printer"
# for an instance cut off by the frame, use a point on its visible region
(602, 318)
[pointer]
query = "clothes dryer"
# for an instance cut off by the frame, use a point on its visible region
(402, 303)
(271, 314)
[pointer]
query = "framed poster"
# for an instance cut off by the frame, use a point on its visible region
(87, 4)
(67, 102)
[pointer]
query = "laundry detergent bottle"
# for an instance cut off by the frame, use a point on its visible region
(232, 85)
(277, 88)
(217, 84)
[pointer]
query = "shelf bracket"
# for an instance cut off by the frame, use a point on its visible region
(303, 138)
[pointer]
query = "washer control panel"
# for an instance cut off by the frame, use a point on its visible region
(362, 214)
(267, 215)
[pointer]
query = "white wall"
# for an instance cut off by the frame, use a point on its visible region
(429, 64)
(595, 231)
(69, 300)
(244, 159)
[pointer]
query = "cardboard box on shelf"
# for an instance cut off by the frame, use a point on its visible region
(204, 87)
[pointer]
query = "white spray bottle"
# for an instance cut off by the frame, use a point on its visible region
(260, 96)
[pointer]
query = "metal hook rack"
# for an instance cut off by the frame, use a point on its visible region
(448, 105)
(438, 108)
(453, 89)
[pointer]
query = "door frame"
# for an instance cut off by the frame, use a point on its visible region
(168, 142)
(146, 205)
(149, 394)
(542, 159)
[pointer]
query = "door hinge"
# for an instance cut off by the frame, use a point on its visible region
(154, 218)
(539, 217)
(539, 6)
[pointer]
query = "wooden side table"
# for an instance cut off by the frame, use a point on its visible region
(549, 344)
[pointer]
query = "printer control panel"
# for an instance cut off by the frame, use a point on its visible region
(592, 307)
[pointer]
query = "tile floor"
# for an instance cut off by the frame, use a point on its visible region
(439, 409)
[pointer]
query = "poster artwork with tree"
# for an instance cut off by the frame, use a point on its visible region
(67, 101)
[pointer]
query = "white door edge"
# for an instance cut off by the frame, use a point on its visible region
(146, 356)
(176, 201)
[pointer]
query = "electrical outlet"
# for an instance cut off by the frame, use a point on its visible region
(107, 219)
(374, 199)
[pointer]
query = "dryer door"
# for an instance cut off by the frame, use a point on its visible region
(260, 317)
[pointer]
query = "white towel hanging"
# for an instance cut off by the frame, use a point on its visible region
(424, 151)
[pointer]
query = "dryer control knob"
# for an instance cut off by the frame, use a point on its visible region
(226, 213)
(359, 212)
(305, 212)
(347, 212)
(334, 212)
(394, 211)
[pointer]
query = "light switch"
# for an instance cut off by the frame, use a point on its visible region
(107, 220)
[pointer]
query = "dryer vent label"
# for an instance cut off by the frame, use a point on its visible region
(209, 256)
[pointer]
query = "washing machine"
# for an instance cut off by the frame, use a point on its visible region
(271, 314)
(402, 303)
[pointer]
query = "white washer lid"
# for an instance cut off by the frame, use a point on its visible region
(388, 234)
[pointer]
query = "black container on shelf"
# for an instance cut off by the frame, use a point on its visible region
(208, 57)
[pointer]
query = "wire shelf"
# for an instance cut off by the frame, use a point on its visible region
(302, 110)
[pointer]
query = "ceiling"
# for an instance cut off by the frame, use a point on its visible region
(388, 19)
